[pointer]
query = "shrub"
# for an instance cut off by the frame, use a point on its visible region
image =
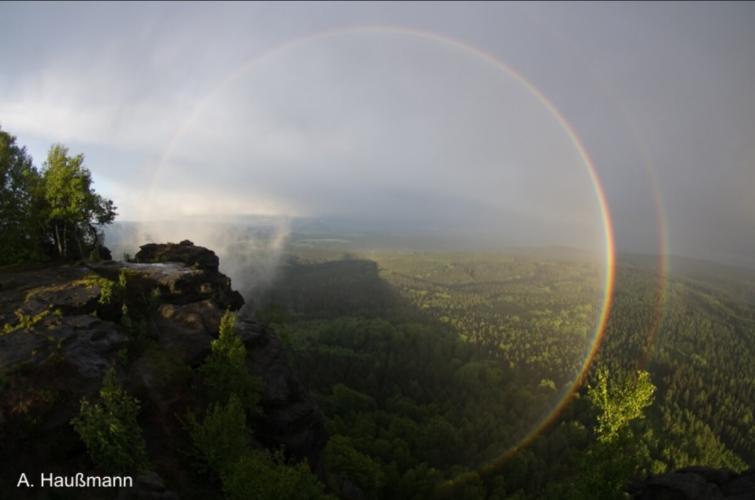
(110, 430)
(225, 372)
(346, 462)
(25, 321)
(261, 475)
(221, 437)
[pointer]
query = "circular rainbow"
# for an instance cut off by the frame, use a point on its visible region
(608, 249)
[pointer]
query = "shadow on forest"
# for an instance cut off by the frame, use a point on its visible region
(346, 287)
(369, 354)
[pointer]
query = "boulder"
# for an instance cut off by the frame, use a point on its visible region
(185, 252)
(176, 283)
(187, 330)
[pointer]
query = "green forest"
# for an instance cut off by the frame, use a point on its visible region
(439, 374)
(430, 366)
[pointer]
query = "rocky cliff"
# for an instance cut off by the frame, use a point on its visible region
(154, 320)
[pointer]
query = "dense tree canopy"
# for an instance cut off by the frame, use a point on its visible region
(428, 366)
(19, 190)
(74, 207)
(52, 213)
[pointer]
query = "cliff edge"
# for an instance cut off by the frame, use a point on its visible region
(154, 320)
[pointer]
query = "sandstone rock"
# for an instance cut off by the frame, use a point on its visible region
(48, 364)
(185, 252)
(16, 287)
(187, 330)
(176, 283)
(46, 371)
(290, 416)
(76, 297)
(82, 342)
(104, 253)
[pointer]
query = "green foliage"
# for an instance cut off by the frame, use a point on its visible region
(225, 373)
(106, 291)
(122, 279)
(54, 212)
(222, 441)
(222, 437)
(431, 364)
(21, 217)
(25, 321)
(260, 475)
(603, 472)
(547, 383)
(348, 400)
(619, 405)
(228, 344)
(690, 441)
(619, 452)
(344, 462)
(111, 293)
(110, 430)
(73, 208)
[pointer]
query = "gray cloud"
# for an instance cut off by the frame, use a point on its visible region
(394, 128)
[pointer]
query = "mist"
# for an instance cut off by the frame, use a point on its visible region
(302, 113)
(249, 250)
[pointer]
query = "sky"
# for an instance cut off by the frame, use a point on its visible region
(457, 118)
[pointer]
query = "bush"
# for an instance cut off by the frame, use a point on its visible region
(222, 441)
(110, 431)
(221, 438)
(225, 372)
(345, 462)
(261, 475)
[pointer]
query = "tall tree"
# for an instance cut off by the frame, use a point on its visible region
(20, 224)
(74, 208)
(619, 452)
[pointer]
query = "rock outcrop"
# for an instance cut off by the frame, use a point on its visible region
(289, 417)
(697, 483)
(154, 320)
(185, 253)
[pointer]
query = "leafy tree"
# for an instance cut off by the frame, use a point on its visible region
(225, 372)
(222, 441)
(20, 223)
(55, 212)
(618, 453)
(222, 437)
(110, 431)
(618, 406)
(74, 209)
